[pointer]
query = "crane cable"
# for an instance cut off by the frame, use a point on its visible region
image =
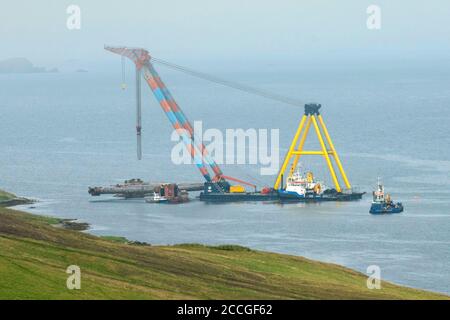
(231, 84)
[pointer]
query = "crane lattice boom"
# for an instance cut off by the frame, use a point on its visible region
(177, 118)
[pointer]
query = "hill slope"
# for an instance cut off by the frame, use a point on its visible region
(8, 199)
(6, 195)
(34, 256)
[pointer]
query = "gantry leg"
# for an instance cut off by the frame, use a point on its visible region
(334, 153)
(300, 146)
(325, 154)
(289, 154)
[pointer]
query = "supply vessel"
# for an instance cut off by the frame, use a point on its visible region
(304, 188)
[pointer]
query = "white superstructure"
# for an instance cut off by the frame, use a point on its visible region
(303, 185)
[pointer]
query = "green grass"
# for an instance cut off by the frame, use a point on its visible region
(34, 256)
(115, 239)
(226, 247)
(6, 195)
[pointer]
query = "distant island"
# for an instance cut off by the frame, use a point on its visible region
(22, 65)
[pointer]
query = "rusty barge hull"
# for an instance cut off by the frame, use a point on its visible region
(139, 190)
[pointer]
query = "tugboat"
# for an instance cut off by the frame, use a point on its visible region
(155, 198)
(382, 203)
(168, 193)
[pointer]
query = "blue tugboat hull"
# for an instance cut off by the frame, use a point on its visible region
(381, 208)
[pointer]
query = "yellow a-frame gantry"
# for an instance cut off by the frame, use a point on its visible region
(312, 116)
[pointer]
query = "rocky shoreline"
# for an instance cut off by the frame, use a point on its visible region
(72, 224)
(69, 224)
(16, 202)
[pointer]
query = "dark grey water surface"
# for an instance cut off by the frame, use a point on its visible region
(60, 133)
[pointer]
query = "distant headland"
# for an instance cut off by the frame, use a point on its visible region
(22, 65)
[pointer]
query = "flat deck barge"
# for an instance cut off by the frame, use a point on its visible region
(275, 196)
(238, 197)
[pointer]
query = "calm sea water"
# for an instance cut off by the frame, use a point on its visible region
(60, 133)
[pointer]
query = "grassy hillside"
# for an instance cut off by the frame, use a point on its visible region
(8, 199)
(34, 256)
(6, 196)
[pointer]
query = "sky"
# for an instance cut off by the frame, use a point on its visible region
(243, 31)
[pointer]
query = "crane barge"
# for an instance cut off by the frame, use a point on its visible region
(217, 187)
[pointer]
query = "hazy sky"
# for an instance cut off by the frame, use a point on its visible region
(176, 30)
